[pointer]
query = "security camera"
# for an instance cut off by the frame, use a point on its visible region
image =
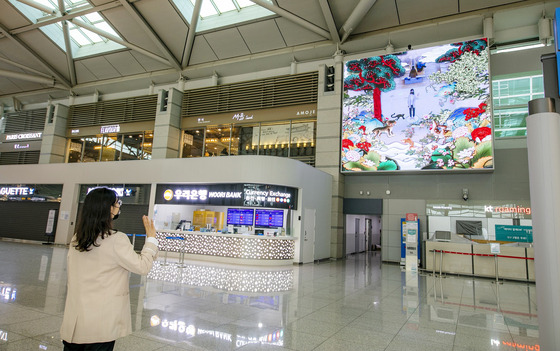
(465, 194)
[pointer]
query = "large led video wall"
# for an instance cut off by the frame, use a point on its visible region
(425, 109)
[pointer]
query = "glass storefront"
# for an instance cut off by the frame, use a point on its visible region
(294, 139)
(111, 147)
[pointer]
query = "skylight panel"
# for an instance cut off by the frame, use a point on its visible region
(225, 5)
(104, 26)
(94, 17)
(207, 9)
(82, 40)
(244, 3)
(79, 37)
(47, 3)
(219, 13)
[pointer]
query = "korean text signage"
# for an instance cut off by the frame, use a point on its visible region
(239, 194)
(516, 233)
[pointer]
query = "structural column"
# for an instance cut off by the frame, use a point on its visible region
(53, 146)
(327, 158)
(543, 147)
(167, 129)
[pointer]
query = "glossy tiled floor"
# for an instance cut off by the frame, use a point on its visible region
(353, 304)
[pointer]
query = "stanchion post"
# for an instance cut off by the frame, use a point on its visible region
(434, 264)
(440, 261)
(496, 262)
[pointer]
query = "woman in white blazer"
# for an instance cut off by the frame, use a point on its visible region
(97, 310)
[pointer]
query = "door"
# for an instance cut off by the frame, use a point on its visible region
(368, 235)
(356, 235)
(308, 254)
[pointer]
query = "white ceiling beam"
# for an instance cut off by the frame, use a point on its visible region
(151, 33)
(357, 15)
(293, 18)
(65, 17)
(31, 78)
(119, 40)
(37, 6)
(68, 45)
(25, 68)
(192, 31)
(69, 56)
(327, 13)
(42, 61)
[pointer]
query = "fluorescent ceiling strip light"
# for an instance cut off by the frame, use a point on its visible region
(518, 48)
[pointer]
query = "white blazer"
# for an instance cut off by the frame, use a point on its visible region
(97, 301)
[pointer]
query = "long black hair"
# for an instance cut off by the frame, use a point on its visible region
(95, 218)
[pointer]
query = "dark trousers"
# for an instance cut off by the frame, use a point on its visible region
(412, 111)
(100, 346)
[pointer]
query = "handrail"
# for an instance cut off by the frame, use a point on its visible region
(477, 254)
(441, 252)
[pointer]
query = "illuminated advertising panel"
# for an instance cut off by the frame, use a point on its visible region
(425, 109)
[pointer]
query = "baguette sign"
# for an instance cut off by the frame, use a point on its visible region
(17, 191)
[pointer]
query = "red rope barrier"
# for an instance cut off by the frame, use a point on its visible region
(485, 255)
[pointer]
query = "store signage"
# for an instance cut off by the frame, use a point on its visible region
(121, 192)
(250, 195)
(20, 146)
(306, 113)
(24, 136)
(114, 128)
(202, 120)
(19, 191)
(242, 117)
(75, 131)
(516, 233)
(8, 293)
(508, 209)
(300, 134)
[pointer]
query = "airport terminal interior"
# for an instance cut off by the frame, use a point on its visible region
(322, 174)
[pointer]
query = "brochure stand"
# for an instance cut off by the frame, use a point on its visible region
(410, 242)
(51, 226)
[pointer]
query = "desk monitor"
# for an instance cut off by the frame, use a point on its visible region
(240, 216)
(469, 227)
(269, 218)
(442, 235)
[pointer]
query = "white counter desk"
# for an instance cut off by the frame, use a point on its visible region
(515, 261)
(228, 248)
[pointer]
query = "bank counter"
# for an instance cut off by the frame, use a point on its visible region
(515, 260)
(228, 248)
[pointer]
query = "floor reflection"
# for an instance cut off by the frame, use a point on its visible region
(358, 303)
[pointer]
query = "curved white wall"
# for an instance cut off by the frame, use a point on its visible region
(314, 185)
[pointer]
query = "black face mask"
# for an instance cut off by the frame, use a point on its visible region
(117, 216)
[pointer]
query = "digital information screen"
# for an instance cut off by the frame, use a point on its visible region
(240, 216)
(269, 218)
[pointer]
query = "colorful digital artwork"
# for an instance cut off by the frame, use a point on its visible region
(425, 109)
